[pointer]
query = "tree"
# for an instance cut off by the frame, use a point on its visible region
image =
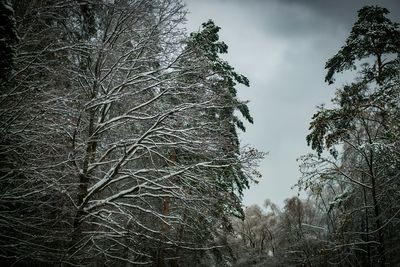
(119, 136)
(254, 238)
(34, 204)
(295, 235)
(359, 132)
(373, 34)
(8, 40)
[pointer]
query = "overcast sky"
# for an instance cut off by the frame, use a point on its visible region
(282, 47)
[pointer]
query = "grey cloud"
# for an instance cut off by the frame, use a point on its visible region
(297, 18)
(340, 11)
(282, 46)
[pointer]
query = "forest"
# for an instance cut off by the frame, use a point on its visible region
(119, 145)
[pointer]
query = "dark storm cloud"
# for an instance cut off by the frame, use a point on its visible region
(341, 11)
(297, 18)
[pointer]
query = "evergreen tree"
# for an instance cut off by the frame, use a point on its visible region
(360, 131)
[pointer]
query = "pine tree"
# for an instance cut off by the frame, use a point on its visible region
(358, 132)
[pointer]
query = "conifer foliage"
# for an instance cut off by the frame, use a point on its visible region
(360, 133)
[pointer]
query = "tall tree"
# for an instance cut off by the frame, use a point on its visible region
(119, 136)
(361, 128)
